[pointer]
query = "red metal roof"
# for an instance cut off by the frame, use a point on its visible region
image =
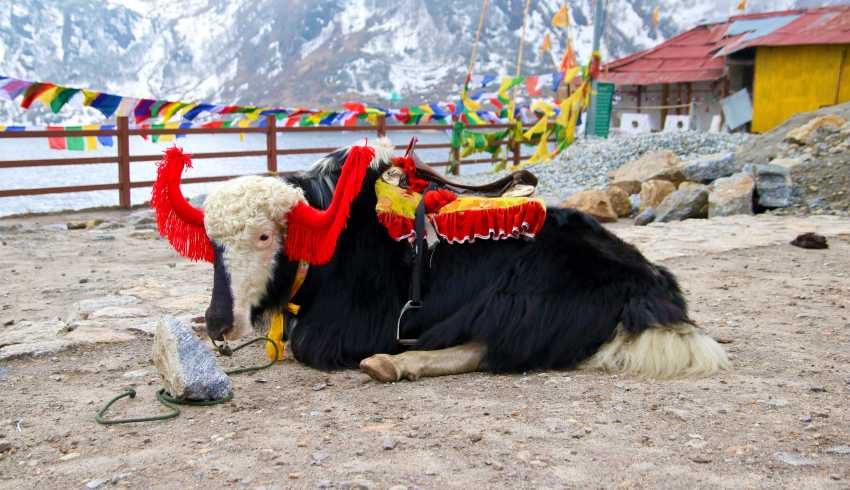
(699, 54)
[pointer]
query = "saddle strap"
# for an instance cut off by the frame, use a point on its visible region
(493, 189)
(420, 247)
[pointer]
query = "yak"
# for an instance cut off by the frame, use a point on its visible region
(576, 296)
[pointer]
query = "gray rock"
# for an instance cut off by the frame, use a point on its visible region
(773, 185)
(319, 457)
(634, 199)
(389, 443)
(646, 217)
(3, 373)
(142, 217)
(708, 168)
(731, 195)
(839, 450)
(359, 484)
(794, 459)
(95, 483)
(187, 368)
(691, 202)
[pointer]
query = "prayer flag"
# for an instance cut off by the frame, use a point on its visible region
(91, 141)
(656, 17)
(74, 143)
(106, 140)
(547, 44)
(562, 18)
(742, 5)
(56, 142)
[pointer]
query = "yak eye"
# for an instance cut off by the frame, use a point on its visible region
(264, 237)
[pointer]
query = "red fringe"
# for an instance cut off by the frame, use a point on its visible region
(399, 227)
(312, 234)
(176, 219)
(524, 220)
(436, 199)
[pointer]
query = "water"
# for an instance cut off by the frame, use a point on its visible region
(66, 175)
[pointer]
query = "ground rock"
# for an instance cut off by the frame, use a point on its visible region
(81, 310)
(794, 459)
(731, 195)
(593, 202)
(118, 312)
(619, 201)
(630, 187)
(661, 165)
(789, 162)
(683, 204)
(653, 192)
(773, 185)
(646, 217)
(810, 241)
(803, 134)
(187, 368)
(710, 167)
(52, 336)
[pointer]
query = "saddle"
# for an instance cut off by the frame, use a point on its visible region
(417, 204)
(456, 212)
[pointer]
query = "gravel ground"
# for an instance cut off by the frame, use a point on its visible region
(778, 419)
(587, 162)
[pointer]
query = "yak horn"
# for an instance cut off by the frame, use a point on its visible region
(312, 234)
(176, 219)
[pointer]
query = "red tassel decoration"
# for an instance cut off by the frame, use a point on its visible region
(176, 219)
(312, 234)
(436, 199)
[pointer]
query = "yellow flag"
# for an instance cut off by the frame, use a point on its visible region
(547, 44)
(91, 141)
(742, 5)
(656, 17)
(562, 18)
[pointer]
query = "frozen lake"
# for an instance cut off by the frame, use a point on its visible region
(65, 175)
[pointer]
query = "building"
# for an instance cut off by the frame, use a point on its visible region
(790, 61)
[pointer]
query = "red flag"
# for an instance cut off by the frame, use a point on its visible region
(569, 59)
(56, 142)
(531, 85)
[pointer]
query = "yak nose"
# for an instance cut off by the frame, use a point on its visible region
(218, 322)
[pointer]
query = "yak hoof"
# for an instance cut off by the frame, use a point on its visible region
(381, 367)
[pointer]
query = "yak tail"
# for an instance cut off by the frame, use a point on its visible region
(669, 351)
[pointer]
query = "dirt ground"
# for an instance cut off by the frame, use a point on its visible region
(779, 419)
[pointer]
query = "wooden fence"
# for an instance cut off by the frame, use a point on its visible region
(123, 158)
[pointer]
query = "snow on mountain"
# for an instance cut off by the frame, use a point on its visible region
(308, 52)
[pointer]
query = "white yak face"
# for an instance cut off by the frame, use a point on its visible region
(247, 218)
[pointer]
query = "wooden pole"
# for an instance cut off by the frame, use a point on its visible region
(381, 126)
(639, 97)
(271, 144)
(123, 162)
(665, 92)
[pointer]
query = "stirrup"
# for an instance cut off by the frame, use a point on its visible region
(410, 305)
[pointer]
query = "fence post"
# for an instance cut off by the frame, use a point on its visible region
(123, 162)
(516, 149)
(271, 144)
(382, 126)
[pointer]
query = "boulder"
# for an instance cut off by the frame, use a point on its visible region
(691, 202)
(708, 168)
(619, 200)
(731, 195)
(661, 165)
(687, 184)
(187, 367)
(803, 135)
(630, 187)
(653, 192)
(788, 163)
(594, 202)
(646, 217)
(83, 309)
(773, 185)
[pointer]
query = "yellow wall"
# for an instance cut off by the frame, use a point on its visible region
(792, 79)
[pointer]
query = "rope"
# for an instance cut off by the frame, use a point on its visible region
(519, 57)
(473, 57)
(169, 402)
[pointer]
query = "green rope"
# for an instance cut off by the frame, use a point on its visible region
(168, 401)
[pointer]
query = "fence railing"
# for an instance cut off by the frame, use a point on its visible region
(124, 158)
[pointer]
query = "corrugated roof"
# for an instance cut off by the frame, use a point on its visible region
(699, 54)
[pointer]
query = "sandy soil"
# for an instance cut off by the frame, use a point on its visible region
(780, 419)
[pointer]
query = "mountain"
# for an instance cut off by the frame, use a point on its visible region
(308, 52)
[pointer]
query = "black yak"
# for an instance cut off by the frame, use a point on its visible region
(576, 296)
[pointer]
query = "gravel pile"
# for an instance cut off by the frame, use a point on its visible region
(587, 162)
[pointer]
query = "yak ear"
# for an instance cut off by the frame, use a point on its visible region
(312, 234)
(176, 219)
